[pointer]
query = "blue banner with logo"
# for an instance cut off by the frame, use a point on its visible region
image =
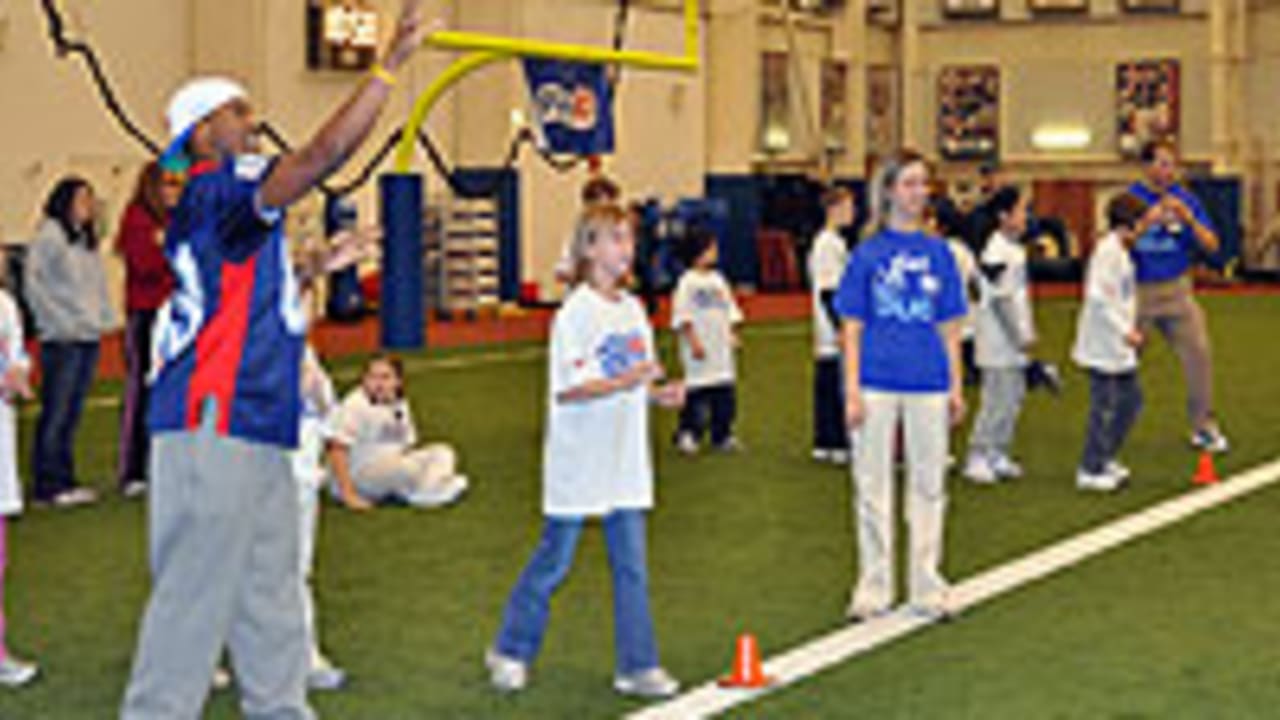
(572, 106)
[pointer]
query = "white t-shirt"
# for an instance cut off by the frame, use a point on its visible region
(1110, 310)
(597, 456)
(827, 261)
(371, 431)
(11, 354)
(1005, 324)
(968, 267)
(704, 300)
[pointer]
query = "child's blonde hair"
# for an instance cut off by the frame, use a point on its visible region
(880, 205)
(592, 223)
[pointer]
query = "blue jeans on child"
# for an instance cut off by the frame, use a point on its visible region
(524, 621)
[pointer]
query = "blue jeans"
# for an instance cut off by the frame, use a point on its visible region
(524, 621)
(67, 373)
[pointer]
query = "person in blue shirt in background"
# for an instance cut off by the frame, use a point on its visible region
(1178, 228)
(903, 304)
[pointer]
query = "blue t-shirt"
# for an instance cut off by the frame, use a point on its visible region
(1161, 254)
(902, 286)
(233, 330)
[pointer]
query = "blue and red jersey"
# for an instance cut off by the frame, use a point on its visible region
(233, 330)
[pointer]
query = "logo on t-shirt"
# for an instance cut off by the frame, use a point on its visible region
(709, 299)
(1158, 240)
(620, 352)
(905, 288)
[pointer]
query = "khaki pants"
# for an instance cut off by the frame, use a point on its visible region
(1171, 308)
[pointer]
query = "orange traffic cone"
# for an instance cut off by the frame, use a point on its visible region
(1206, 474)
(747, 669)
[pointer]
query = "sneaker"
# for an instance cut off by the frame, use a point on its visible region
(221, 678)
(134, 489)
(1101, 482)
(448, 492)
(506, 674)
(654, 683)
(1115, 467)
(979, 470)
(823, 455)
(1005, 467)
(1210, 439)
(840, 457)
(324, 677)
(75, 497)
(858, 612)
(731, 445)
(15, 673)
(687, 444)
(932, 610)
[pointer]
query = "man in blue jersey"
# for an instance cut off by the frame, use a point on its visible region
(1178, 227)
(223, 516)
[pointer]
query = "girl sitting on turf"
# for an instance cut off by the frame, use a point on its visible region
(903, 303)
(603, 375)
(372, 453)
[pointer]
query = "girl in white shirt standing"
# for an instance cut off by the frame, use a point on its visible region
(1107, 342)
(14, 384)
(1005, 333)
(597, 464)
(706, 316)
(827, 261)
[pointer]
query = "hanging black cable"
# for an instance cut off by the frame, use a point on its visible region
(65, 47)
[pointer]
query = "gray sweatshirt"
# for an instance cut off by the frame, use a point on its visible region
(66, 286)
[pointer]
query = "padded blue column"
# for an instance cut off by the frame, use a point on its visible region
(401, 309)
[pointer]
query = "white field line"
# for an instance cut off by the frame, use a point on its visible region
(847, 643)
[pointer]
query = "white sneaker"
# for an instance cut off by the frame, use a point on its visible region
(1005, 467)
(731, 445)
(822, 455)
(506, 674)
(937, 610)
(840, 457)
(1210, 439)
(324, 677)
(221, 678)
(979, 470)
(15, 673)
(687, 444)
(654, 683)
(1102, 482)
(75, 497)
(1121, 471)
(134, 489)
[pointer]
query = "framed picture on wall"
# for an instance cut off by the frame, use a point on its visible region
(969, 112)
(884, 110)
(1049, 7)
(1151, 6)
(882, 12)
(835, 106)
(341, 34)
(1148, 104)
(775, 103)
(970, 8)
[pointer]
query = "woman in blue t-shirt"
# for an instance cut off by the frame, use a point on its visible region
(902, 302)
(1178, 228)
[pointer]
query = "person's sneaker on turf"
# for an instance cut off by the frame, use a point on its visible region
(75, 497)
(15, 673)
(506, 674)
(731, 444)
(687, 443)
(1119, 469)
(858, 612)
(840, 457)
(979, 470)
(324, 677)
(1097, 482)
(134, 489)
(1006, 468)
(221, 678)
(1210, 439)
(654, 683)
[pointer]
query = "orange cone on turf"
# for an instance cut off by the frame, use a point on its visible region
(1206, 474)
(748, 671)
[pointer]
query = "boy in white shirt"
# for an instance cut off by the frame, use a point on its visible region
(1107, 342)
(705, 316)
(827, 262)
(1005, 334)
(371, 448)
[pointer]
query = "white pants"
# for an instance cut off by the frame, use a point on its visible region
(427, 477)
(924, 418)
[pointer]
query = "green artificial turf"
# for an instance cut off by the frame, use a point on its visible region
(1178, 624)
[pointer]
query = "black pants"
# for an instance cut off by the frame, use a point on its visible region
(829, 431)
(1114, 404)
(135, 441)
(719, 403)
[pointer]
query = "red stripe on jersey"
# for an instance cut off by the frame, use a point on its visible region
(221, 345)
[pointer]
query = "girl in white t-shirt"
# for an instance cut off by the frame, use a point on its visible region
(827, 262)
(597, 464)
(372, 447)
(14, 367)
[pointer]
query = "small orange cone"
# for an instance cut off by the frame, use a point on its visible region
(1206, 474)
(748, 671)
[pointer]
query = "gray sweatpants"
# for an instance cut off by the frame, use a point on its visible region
(1003, 390)
(225, 572)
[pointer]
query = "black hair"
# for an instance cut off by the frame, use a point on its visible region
(1125, 211)
(1152, 148)
(695, 243)
(1004, 200)
(58, 207)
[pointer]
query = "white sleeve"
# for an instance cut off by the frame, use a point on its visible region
(344, 426)
(572, 359)
(681, 303)
(11, 330)
(735, 311)
(411, 427)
